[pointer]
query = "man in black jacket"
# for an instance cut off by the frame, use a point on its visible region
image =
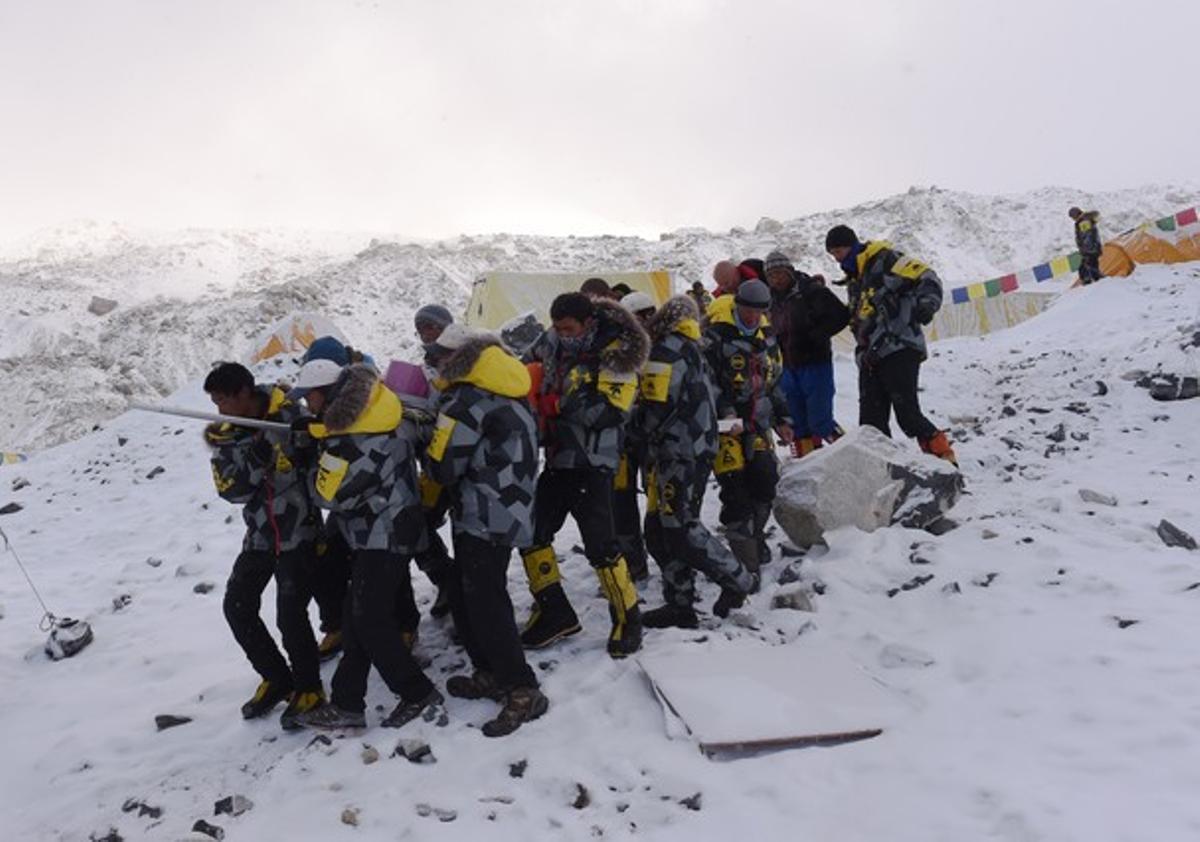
(805, 315)
(1087, 238)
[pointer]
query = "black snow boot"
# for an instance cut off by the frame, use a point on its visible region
(727, 601)
(671, 617)
(521, 705)
(406, 712)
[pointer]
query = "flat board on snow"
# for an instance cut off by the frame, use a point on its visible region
(746, 696)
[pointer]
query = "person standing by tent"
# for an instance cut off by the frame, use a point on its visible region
(485, 454)
(746, 364)
(677, 416)
(430, 320)
(269, 477)
(1087, 239)
(590, 361)
(701, 296)
(367, 476)
(805, 315)
(891, 297)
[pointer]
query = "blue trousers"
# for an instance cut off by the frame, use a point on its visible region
(809, 390)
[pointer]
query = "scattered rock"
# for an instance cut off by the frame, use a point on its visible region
(10, 508)
(210, 830)
(1059, 434)
(911, 584)
(988, 534)
(234, 805)
(517, 770)
(370, 755)
(203, 587)
(350, 816)
(155, 471)
(142, 808)
(1123, 623)
(122, 441)
(169, 720)
(101, 306)
(442, 815)
(121, 601)
(789, 574)
(1008, 411)
(692, 802)
(320, 740)
(19, 483)
(1099, 498)
(796, 599)
(154, 562)
(582, 797)
(1101, 388)
(864, 480)
(940, 526)
(1173, 536)
(414, 751)
(985, 581)
(951, 587)
(110, 836)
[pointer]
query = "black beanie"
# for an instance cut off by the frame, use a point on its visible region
(840, 235)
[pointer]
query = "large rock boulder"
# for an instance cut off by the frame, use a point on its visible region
(864, 480)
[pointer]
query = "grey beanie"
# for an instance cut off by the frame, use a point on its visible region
(777, 260)
(754, 294)
(434, 314)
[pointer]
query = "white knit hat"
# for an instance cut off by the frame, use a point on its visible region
(636, 302)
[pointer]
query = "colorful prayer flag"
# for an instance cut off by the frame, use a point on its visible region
(1187, 217)
(1008, 283)
(1043, 272)
(1060, 265)
(959, 295)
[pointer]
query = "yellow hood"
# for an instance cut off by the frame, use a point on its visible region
(872, 248)
(689, 328)
(498, 372)
(721, 312)
(382, 414)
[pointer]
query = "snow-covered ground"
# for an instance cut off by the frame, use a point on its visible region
(189, 298)
(1036, 710)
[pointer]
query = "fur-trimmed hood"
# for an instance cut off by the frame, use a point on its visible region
(483, 361)
(360, 403)
(672, 316)
(622, 344)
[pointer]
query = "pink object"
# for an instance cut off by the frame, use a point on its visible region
(406, 379)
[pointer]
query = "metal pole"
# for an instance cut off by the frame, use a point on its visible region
(237, 420)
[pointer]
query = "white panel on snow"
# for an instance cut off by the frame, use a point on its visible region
(745, 696)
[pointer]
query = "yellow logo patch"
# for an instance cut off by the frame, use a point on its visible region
(441, 437)
(331, 470)
(656, 382)
(730, 456)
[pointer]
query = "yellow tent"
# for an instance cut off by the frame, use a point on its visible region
(498, 297)
(1172, 239)
(292, 335)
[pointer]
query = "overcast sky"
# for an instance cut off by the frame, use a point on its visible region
(622, 116)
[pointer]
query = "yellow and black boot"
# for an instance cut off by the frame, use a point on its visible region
(618, 587)
(553, 618)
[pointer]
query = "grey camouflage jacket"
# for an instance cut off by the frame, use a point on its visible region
(891, 297)
(677, 413)
(484, 450)
(596, 387)
(746, 370)
(268, 477)
(367, 470)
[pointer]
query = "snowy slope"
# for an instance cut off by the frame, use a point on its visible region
(1034, 714)
(190, 298)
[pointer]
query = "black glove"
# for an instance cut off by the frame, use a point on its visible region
(924, 311)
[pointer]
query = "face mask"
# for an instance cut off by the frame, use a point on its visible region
(850, 261)
(571, 344)
(746, 330)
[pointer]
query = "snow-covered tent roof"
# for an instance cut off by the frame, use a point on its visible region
(498, 297)
(292, 335)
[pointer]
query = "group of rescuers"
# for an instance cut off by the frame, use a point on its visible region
(612, 390)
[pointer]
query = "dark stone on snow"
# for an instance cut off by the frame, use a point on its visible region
(1172, 387)
(110, 836)
(951, 587)
(19, 483)
(1124, 624)
(1078, 407)
(582, 797)
(10, 508)
(155, 471)
(1039, 410)
(203, 587)
(1059, 433)
(941, 526)
(169, 720)
(1173, 536)
(789, 574)
(912, 584)
(234, 805)
(692, 802)
(122, 441)
(1193, 586)
(210, 830)
(517, 770)
(1101, 388)
(414, 751)
(985, 581)
(320, 740)
(1008, 412)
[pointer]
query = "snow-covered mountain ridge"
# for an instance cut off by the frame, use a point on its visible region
(190, 298)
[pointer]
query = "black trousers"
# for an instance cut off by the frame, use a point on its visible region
(1089, 268)
(627, 520)
(331, 580)
(891, 385)
(586, 494)
(371, 636)
(483, 612)
(751, 487)
(293, 572)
